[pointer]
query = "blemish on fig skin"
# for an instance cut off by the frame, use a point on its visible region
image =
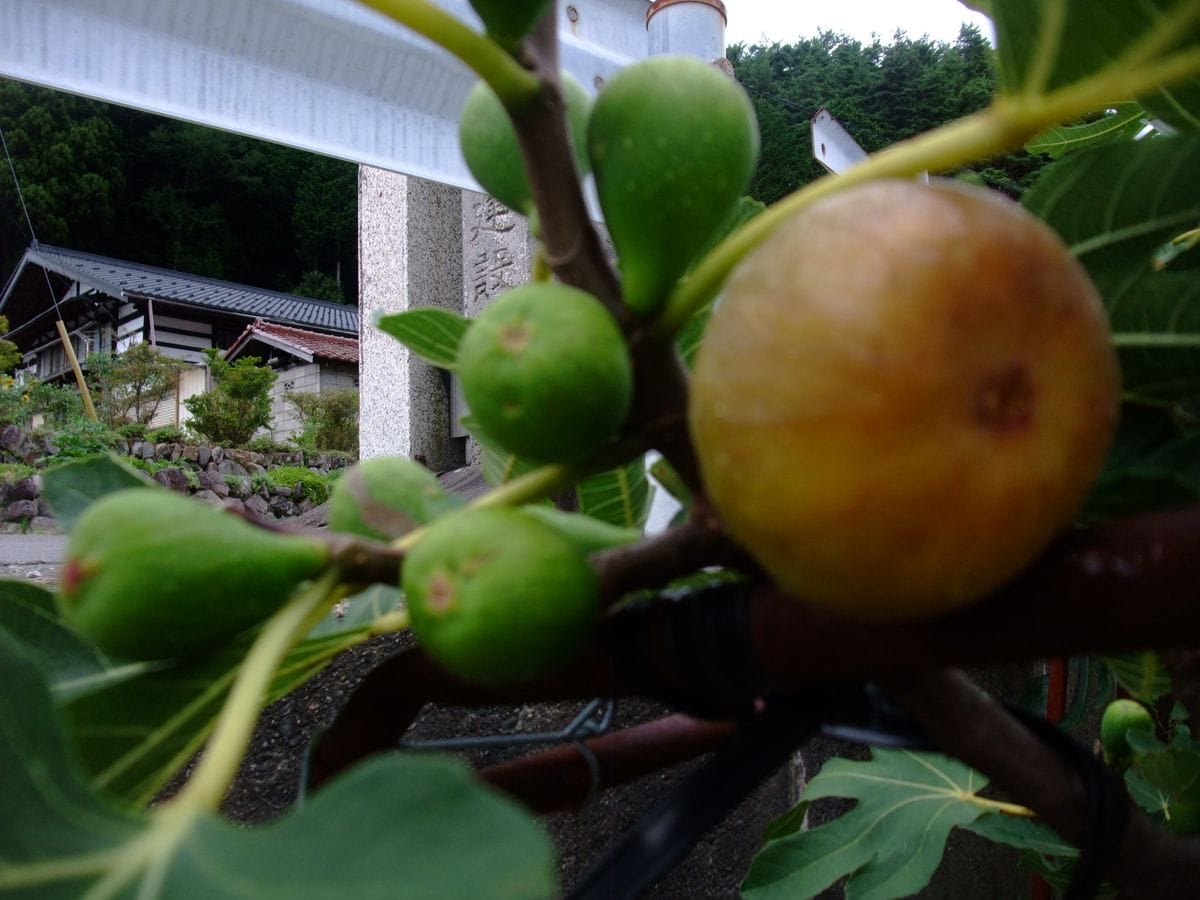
(1005, 400)
(74, 573)
(514, 338)
(441, 597)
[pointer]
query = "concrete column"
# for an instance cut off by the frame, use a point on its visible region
(410, 256)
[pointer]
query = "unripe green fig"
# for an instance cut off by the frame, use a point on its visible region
(546, 372)
(149, 574)
(490, 148)
(387, 497)
(673, 143)
(498, 597)
(508, 21)
(1121, 717)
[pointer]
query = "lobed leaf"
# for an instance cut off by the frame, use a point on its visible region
(1121, 122)
(619, 496)
(1143, 675)
(69, 488)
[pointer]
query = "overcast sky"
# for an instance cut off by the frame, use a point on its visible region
(750, 21)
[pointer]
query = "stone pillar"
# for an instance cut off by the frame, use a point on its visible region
(410, 256)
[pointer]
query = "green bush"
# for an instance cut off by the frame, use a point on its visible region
(21, 401)
(237, 406)
(83, 437)
(167, 434)
(303, 482)
(330, 420)
(133, 431)
(264, 443)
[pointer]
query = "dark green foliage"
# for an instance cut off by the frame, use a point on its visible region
(330, 420)
(882, 93)
(304, 482)
(237, 406)
(186, 197)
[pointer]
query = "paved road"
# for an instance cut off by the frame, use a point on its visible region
(26, 549)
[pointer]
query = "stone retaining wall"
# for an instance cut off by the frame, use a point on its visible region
(215, 475)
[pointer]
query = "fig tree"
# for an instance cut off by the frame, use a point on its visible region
(492, 153)
(546, 372)
(386, 497)
(149, 574)
(673, 144)
(904, 394)
(498, 597)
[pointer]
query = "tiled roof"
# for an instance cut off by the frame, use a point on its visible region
(138, 280)
(309, 343)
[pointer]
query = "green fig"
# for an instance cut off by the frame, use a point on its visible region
(673, 144)
(149, 574)
(1121, 717)
(497, 597)
(508, 21)
(386, 497)
(490, 148)
(546, 372)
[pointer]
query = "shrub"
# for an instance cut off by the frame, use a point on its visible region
(21, 401)
(168, 434)
(330, 420)
(133, 431)
(304, 482)
(237, 406)
(129, 387)
(83, 437)
(264, 443)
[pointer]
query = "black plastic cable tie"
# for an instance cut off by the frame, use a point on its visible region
(1107, 805)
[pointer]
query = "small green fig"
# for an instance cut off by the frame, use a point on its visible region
(508, 21)
(490, 148)
(546, 372)
(673, 144)
(1121, 717)
(386, 497)
(497, 597)
(149, 574)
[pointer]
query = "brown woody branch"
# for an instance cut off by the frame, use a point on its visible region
(969, 725)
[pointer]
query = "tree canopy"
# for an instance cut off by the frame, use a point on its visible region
(881, 92)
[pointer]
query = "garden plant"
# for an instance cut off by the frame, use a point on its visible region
(913, 427)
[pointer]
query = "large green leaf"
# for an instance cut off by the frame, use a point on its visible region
(69, 488)
(1143, 675)
(433, 334)
(619, 496)
(1122, 121)
(1044, 45)
(133, 735)
(1166, 782)
(921, 796)
(394, 827)
(1114, 206)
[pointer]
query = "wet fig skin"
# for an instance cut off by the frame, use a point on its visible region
(546, 372)
(149, 574)
(498, 597)
(903, 395)
(673, 143)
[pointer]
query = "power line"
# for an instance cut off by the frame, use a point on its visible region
(29, 221)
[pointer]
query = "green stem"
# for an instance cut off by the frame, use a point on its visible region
(514, 85)
(531, 486)
(217, 767)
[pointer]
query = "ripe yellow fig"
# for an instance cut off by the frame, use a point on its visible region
(904, 393)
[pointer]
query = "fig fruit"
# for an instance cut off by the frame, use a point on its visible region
(387, 497)
(1121, 717)
(498, 597)
(492, 153)
(508, 21)
(546, 372)
(149, 574)
(902, 396)
(673, 144)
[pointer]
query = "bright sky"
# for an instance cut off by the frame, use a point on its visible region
(786, 20)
